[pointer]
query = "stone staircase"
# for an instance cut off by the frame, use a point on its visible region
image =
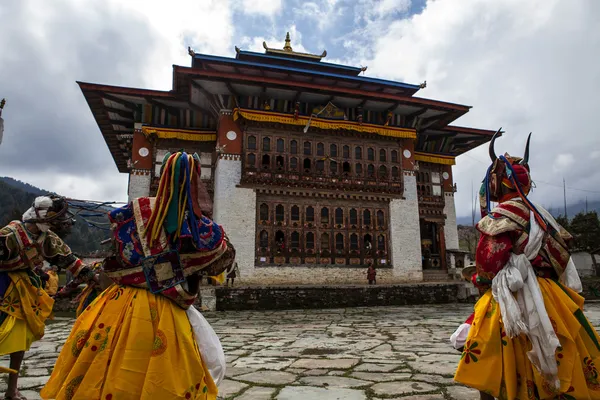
(436, 276)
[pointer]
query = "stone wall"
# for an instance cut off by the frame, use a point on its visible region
(315, 275)
(450, 228)
(405, 233)
(319, 297)
(235, 209)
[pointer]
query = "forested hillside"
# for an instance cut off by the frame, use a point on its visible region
(16, 197)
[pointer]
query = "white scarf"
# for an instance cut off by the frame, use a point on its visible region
(41, 205)
(527, 313)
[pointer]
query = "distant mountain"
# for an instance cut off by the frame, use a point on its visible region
(16, 197)
(572, 210)
(26, 187)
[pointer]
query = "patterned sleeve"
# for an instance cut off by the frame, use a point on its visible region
(56, 252)
(493, 252)
(9, 251)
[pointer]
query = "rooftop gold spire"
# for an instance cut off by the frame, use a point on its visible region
(287, 46)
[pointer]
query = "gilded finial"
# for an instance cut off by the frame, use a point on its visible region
(191, 51)
(2, 103)
(288, 46)
(423, 85)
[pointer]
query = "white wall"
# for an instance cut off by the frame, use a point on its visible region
(405, 233)
(450, 229)
(139, 185)
(583, 264)
(235, 209)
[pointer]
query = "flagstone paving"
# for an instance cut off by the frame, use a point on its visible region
(345, 354)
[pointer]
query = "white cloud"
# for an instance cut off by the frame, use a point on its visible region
(255, 43)
(563, 161)
(523, 65)
(268, 8)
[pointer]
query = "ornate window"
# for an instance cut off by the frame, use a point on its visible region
(280, 146)
(293, 164)
(381, 243)
(251, 160)
(295, 212)
(266, 144)
(382, 172)
(367, 217)
(251, 142)
(295, 240)
(325, 241)
(307, 149)
(382, 155)
(320, 149)
(370, 154)
(339, 242)
(380, 219)
(394, 156)
(346, 152)
(358, 153)
(279, 163)
(279, 213)
(346, 167)
(320, 165)
(395, 173)
(358, 170)
(294, 147)
(264, 239)
(354, 241)
(333, 150)
(266, 161)
(307, 166)
(333, 167)
(339, 216)
(310, 214)
(371, 171)
(353, 216)
(264, 212)
(310, 240)
(324, 215)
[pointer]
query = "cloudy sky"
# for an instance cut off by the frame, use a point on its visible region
(525, 65)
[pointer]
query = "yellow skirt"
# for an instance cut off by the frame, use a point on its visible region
(498, 365)
(27, 307)
(130, 344)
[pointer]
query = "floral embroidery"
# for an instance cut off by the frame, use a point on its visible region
(496, 247)
(591, 373)
(503, 337)
(11, 303)
(491, 309)
(470, 352)
(549, 388)
(36, 308)
(100, 338)
(160, 343)
(559, 355)
(79, 342)
(72, 387)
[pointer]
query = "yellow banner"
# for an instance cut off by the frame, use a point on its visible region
(181, 134)
(265, 116)
(435, 158)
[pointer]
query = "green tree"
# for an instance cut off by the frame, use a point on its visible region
(564, 222)
(585, 228)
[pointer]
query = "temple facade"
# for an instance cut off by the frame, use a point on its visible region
(315, 170)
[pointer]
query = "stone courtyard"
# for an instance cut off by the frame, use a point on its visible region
(337, 354)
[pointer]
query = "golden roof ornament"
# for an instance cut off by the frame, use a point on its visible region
(288, 51)
(288, 45)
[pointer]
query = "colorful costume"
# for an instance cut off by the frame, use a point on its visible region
(25, 305)
(528, 337)
(136, 339)
(91, 290)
